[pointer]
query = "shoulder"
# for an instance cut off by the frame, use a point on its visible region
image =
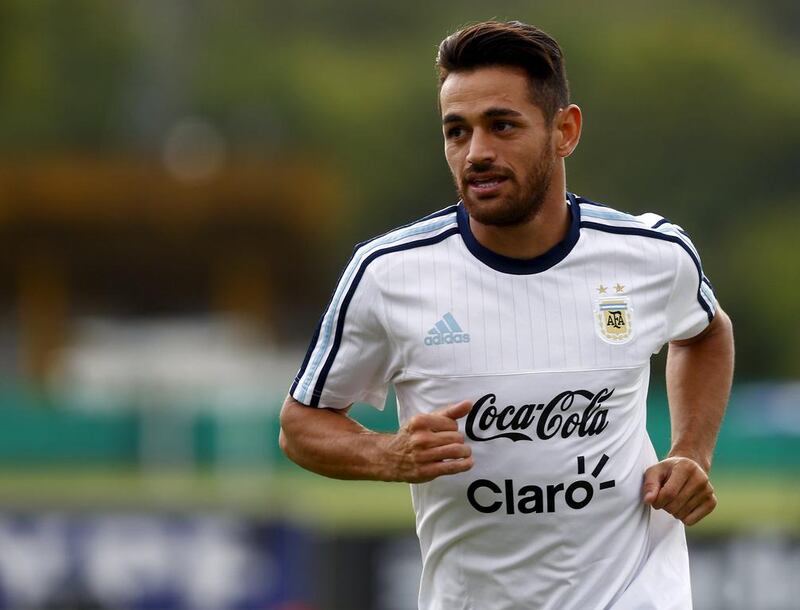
(427, 227)
(423, 232)
(649, 225)
(367, 255)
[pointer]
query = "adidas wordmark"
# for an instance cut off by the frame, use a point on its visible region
(446, 330)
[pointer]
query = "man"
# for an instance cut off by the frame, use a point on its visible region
(517, 329)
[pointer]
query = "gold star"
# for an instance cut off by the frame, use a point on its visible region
(601, 289)
(619, 287)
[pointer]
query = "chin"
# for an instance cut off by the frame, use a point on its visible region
(497, 211)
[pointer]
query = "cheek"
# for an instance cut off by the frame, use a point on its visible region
(523, 157)
(453, 158)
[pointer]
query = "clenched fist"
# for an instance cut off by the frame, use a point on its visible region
(429, 445)
(680, 486)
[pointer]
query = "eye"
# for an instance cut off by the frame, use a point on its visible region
(454, 132)
(503, 126)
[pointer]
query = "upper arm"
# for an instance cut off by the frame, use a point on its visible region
(349, 358)
(293, 411)
(297, 418)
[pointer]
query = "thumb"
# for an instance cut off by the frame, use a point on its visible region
(456, 411)
(654, 478)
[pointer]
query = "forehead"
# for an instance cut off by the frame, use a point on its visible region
(471, 92)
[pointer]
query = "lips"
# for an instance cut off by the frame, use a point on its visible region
(485, 184)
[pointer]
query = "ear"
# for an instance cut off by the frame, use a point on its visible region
(567, 127)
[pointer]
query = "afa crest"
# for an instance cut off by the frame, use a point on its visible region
(613, 319)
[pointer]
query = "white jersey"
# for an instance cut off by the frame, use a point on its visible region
(554, 353)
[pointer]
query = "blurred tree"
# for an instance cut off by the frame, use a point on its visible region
(692, 110)
(65, 72)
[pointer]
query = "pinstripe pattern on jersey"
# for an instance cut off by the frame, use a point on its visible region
(443, 212)
(322, 351)
(656, 227)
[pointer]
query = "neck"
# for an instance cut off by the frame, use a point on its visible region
(533, 237)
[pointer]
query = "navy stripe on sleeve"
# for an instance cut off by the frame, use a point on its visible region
(317, 392)
(312, 345)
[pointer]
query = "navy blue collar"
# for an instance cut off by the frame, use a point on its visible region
(522, 266)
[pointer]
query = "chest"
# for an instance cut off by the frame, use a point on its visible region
(448, 314)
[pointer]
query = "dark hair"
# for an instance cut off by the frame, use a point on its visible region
(511, 43)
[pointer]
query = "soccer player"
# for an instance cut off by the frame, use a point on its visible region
(517, 329)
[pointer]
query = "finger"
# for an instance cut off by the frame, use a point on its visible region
(438, 469)
(446, 438)
(654, 478)
(694, 490)
(426, 439)
(443, 419)
(456, 411)
(446, 452)
(701, 511)
(696, 500)
(432, 422)
(694, 484)
(671, 487)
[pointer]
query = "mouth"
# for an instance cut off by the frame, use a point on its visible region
(485, 184)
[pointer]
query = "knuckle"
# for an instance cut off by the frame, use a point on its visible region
(666, 496)
(454, 452)
(450, 438)
(413, 424)
(422, 475)
(465, 464)
(448, 425)
(700, 488)
(426, 440)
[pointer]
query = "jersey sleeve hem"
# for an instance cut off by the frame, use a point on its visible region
(327, 400)
(696, 329)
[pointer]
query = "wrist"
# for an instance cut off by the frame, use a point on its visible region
(381, 458)
(701, 460)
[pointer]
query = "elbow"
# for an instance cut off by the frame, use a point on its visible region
(293, 437)
(728, 325)
(725, 330)
(286, 428)
(288, 447)
(283, 443)
(724, 321)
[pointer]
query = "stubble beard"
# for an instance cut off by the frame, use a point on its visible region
(514, 210)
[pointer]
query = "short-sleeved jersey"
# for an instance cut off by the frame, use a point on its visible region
(554, 354)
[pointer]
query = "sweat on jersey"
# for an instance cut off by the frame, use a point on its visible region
(554, 353)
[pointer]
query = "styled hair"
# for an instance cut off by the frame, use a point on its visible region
(513, 44)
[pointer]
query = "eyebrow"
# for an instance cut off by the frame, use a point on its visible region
(490, 113)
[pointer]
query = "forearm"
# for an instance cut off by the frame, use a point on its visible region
(699, 375)
(330, 443)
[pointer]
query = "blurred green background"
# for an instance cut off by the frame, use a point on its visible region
(181, 182)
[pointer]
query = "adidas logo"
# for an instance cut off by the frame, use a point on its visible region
(446, 330)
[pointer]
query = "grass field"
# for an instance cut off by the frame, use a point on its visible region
(747, 502)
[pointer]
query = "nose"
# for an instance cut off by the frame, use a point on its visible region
(481, 150)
